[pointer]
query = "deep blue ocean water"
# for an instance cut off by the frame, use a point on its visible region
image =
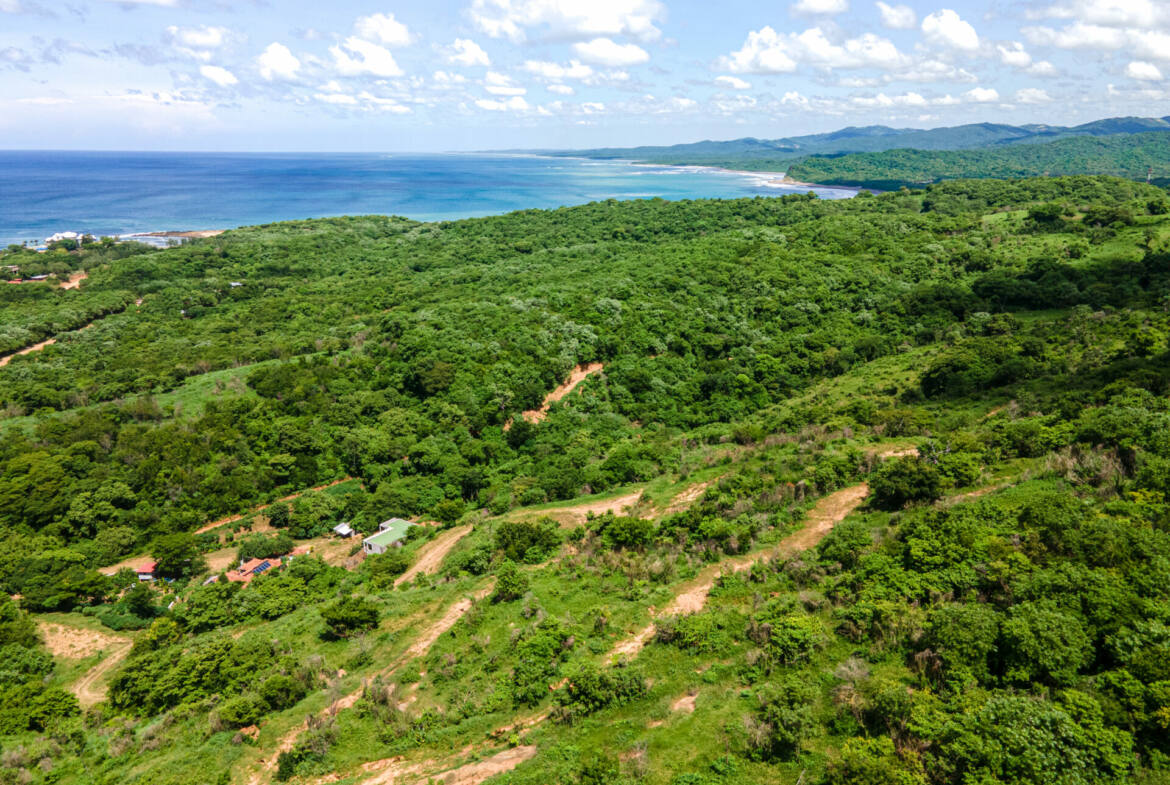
(101, 193)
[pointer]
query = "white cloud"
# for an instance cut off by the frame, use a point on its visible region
(500, 84)
(885, 101)
(277, 62)
(199, 37)
(769, 52)
(574, 70)
(1032, 95)
(898, 17)
(1077, 36)
(794, 98)
(568, 18)
(221, 76)
(468, 53)
(1143, 71)
(561, 89)
(1042, 68)
(982, 95)
(1014, 54)
(733, 82)
(820, 6)
(1113, 13)
(357, 57)
(383, 104)
(947, 28)
(513, 104)
(383, 29)
(339, 99)
(604, 51)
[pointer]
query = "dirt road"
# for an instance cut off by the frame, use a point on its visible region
(827, 513)
(579, 374)
(77, 643)
(431, 555)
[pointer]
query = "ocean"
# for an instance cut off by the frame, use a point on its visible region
(117, 193)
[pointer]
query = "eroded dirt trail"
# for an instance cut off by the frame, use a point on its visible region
(291, 497)
(579, 374)
(431, 555)
(74, 281)
(579, 513)
(421, 646)
(827, 513)
(77, 643)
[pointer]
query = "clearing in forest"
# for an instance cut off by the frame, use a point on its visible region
(431, 555)
(76, 643)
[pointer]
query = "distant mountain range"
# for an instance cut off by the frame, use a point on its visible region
(765, 154)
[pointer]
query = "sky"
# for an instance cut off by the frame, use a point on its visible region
(439, 75)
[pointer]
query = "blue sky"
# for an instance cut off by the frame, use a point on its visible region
(346, 75)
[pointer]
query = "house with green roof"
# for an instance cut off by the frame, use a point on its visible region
(390, 534)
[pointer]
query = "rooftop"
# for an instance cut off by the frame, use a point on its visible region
(391, 532)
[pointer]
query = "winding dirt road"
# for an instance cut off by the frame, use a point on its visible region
(77, 643)
(578, 375)
(431, 555)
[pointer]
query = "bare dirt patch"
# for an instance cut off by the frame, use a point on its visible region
(687, 497)
(579, 374)
(74, 280)
(579, 513)
(431, 555)
(684, 703)
(76, 643)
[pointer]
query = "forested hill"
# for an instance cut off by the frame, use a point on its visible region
(1133, 156)
(849, 492)
(777, 154)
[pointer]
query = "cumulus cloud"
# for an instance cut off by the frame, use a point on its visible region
(605, 51)
(946, 28)
(221, 76)
(277, 62)
(1143, 71)
(733, 82)
(570, 19)
(769, 52)
(561, 89)
(897, 17)
(468, 53)
(1042, 68)
(359, 57)
(820, 6)
(982, 95)
(501, 84)
(1112, 13)
(1032, 95)
(513, 104)
(881, 100)
(1014, 54)
(574, 70)
(383, 29)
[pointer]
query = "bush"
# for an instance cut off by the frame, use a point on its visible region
(280, 691)
(588, 689)
(904, 480)
(259, 546)
(383, 568)
(241, 711)
(511, 584)
(348, 616)
(528, 541)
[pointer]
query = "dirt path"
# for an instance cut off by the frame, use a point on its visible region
(432, 554)
(579, 374)
(292, 496)
(687, 497)
(74, 281)
(36, 347)
(420, 647)
(579, 513)
(76, 643)
(827, 513)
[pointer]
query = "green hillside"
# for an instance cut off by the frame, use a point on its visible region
(1132, 156)
(867, 491)
(777, 154)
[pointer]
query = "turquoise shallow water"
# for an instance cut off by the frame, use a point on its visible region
(107, 193)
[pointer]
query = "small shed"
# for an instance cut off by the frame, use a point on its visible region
(390, 534)
(343, 530)
(146, 571)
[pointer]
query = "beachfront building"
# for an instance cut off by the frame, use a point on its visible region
(390, 534)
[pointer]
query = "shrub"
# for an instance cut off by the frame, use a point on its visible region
(348, 616)
(905, 480)
(511, 584)
(527, 541)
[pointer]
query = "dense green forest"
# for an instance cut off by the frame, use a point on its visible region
(776, 155)
(1133, 156)
(864, 492)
